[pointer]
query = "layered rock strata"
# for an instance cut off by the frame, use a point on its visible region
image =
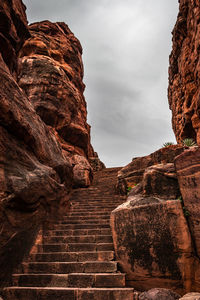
(184, 72)
(51, 73)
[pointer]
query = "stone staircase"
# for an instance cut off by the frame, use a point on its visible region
(75, 258)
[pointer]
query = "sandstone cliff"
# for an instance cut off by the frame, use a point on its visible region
(184, 72)
(45, 139)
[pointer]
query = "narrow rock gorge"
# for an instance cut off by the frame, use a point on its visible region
(69, 226)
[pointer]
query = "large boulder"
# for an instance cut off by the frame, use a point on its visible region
(153, 244)
(132, 174)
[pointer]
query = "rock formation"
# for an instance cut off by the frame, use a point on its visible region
(45, 139)
(132, 174)
(51, 73)
(156, 232)
(184, 72)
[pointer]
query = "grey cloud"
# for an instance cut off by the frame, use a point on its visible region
(126, 45)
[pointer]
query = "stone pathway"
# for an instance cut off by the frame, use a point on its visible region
(75, 260)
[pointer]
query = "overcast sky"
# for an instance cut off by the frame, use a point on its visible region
(126, 46)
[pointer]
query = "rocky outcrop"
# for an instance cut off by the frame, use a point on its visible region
(132, 174)
(51, 73)
(184, 72)
(45, 139)
(151, 233)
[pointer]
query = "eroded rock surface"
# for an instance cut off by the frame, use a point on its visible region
(44, 135)
(184, 72)
(132, 174)
(153, 243)
(51, 73)
(187, 166)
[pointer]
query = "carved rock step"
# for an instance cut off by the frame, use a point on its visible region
(88, 217)
(77, 232)
(74, 247)
(70, 280)
(72, 256)
(33, 293)
(86, 221)
(70, 267)
(81, 226)
(89, 214)
(78, 239)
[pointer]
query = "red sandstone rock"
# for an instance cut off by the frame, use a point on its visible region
(13, 31)
(161, 181)
(153, 244)
(36, 158)
(51, 73)
(133, 172)
(187, 167)
(184, 72)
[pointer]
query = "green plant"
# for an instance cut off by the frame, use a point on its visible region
(189, 142)
(168, 144)
(185, 211)
(129, 188)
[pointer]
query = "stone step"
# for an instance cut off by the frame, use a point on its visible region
(77, 232)
(70, 280)
(86, 217)
(74, 247)
(88, 214)
(83, 221)
(73, 256)
(51, 293)
(69, 267)
(78, 239)
(80, 226)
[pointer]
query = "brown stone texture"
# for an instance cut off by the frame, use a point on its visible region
(13, 32)
(184, 72)
(161, 181)
(187, 167)
(159, 294)
(132, 174)
(44, 136)
(51, 73)
(153, 244)
(96, 163)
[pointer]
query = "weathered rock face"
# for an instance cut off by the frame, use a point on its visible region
(132, 174)
(152, 237)
(187, 166)
(153, 243)
(13, 32)
(43, 131)
(51, 73)
(184, 72)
